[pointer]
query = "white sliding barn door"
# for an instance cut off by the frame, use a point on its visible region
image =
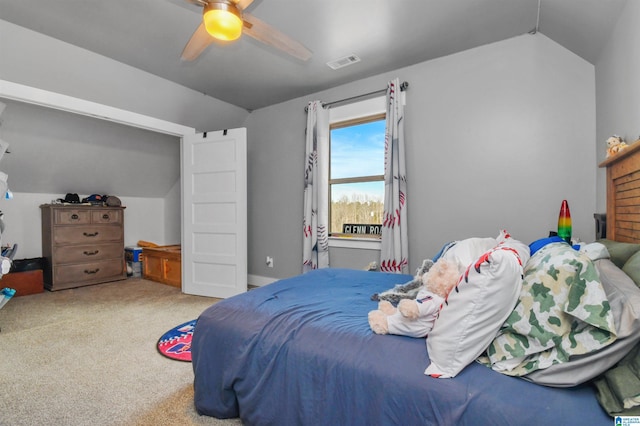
(214, 213)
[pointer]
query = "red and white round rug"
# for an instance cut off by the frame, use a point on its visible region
(176, 343)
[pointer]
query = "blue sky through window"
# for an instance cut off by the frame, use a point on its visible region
(358, 151)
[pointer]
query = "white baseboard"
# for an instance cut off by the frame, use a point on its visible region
(259, 281)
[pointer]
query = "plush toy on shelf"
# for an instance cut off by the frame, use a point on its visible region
(615, 144)
(415, 317)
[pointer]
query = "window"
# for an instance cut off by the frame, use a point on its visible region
(356, 177)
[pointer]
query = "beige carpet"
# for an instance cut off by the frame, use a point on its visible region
(88, 356)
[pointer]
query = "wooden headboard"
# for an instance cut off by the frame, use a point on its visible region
(623, 194)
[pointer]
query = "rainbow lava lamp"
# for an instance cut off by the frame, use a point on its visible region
(564, 222)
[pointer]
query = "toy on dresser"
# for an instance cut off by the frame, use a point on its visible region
(615, 144)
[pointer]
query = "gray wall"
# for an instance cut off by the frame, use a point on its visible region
(618, 88)
(57, 151)
(497, 137)
(43, 162)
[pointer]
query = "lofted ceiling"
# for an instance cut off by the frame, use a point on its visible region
(385, 34)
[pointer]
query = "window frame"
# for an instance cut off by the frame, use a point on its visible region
(349, 239)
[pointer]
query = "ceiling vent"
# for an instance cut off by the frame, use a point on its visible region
(343, 62)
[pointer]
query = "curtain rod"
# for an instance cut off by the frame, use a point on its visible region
(403, 86)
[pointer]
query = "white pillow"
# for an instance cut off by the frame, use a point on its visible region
(466, 251)
(595, 251)
(504, 240)
(476, 308)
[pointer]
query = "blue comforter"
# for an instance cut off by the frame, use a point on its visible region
(300, 352)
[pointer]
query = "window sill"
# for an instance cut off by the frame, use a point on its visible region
(355, 243)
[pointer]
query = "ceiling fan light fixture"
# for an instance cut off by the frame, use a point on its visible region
(222, 20)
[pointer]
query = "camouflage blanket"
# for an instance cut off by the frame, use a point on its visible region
(563, 311)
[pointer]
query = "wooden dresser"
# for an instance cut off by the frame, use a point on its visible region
(82, 245)
(623, 194)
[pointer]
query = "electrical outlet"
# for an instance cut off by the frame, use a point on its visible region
(269, 261)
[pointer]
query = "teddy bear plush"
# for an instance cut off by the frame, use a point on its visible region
(408, 290)
(615, 144)
(415, 317)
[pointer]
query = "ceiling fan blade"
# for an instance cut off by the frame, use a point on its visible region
(243, 4)
(267, 34)
(197, 43)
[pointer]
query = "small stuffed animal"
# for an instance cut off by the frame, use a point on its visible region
(615, 144)
(415, 317)
(408, 290)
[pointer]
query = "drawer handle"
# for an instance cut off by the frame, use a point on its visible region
(91, 253)
(106, 216)
(87, 234)
(88, 272)
(75, 216)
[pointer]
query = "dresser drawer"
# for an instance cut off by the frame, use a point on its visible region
(89, 234)
(72, 217)
(87, 253)
(107, 216)
(89, 272)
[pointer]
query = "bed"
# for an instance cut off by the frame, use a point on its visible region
(300, 352)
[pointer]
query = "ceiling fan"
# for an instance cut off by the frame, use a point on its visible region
(227, 20)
